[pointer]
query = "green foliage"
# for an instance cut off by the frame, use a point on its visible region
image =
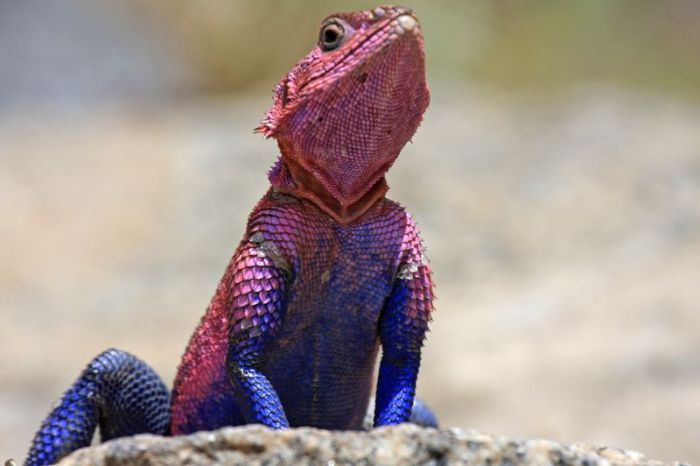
(516, 44)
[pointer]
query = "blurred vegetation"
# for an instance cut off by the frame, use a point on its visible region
(511, 44)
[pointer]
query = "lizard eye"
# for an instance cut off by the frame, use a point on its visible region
(331, 36)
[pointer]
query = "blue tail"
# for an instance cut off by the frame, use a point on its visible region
(422, 415)
(116, 391)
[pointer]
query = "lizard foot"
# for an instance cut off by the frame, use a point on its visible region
(421, 415)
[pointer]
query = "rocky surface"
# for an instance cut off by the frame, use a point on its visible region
(401, 445)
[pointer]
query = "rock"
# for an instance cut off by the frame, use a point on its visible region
(398, 445)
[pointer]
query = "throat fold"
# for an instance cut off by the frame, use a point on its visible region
(288, 177)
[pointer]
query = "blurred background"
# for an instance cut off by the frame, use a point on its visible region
(556, 180)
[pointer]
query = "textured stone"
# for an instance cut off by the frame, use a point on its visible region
(399, 445)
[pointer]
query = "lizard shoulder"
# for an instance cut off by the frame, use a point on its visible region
(412, 249)
(274, 227)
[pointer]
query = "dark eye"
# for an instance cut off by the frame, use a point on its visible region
(331, 36)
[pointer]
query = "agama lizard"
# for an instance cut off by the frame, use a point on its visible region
(328, 271)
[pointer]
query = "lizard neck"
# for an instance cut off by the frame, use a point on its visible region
(288, 177)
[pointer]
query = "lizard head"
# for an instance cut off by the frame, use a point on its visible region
(344, 112)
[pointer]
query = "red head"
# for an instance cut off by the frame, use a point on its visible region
(344, 112)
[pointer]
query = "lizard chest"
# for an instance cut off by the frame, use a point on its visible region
(341, 283)
(322, 359)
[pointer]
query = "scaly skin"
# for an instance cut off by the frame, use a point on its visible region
(328, 271)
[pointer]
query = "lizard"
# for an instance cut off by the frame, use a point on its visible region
(329, 270)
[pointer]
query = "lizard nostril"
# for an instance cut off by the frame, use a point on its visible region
(407, 22)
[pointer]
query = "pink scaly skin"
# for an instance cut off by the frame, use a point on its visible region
(328, 271)
(329, 268)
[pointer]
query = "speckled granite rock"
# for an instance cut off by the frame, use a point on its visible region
(401, 445)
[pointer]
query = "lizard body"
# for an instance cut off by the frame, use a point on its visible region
(328, 271)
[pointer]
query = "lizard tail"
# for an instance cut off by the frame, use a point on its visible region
(422, 415)
(116, 391)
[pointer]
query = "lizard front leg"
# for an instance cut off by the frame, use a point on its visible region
(402, 328)
(256, 312)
